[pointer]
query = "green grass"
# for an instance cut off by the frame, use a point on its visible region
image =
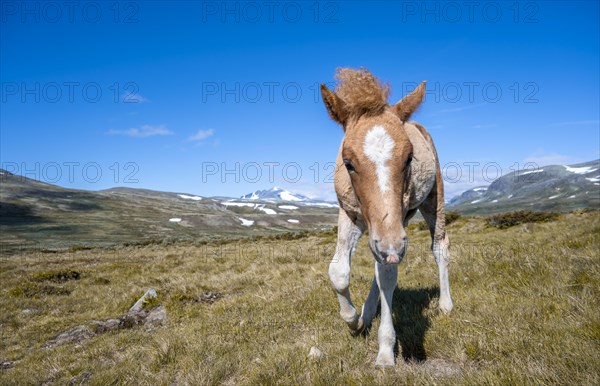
(248, 311)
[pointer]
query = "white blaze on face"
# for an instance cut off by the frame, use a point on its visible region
(378, 148)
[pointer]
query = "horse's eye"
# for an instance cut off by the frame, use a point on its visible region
(349, 166)
(409, 160)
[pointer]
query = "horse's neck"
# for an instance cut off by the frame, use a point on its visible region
(423, 165)
(423, 152)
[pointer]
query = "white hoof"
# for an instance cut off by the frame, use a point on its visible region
(446, 305)
(351, 318)
(385, 360)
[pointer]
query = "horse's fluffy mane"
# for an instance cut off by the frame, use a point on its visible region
(361, 91)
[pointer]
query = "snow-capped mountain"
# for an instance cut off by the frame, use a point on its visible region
(471, 195)
(275, 193)
(553, 187)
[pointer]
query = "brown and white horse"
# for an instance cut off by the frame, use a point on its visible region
(386, 169)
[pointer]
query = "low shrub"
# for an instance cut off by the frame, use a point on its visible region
(452, 216)
(506, 220)
(57, 276)
(75, 248)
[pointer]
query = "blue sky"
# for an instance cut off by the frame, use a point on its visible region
(216, 98)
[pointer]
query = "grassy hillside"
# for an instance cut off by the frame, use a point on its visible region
(35, 215)
(248, 312)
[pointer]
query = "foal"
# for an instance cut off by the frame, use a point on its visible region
(386, 169)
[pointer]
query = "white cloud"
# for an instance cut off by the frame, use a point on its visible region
(142, 132)
(319, 191)
(577, 123)
(133, 97)
(542, 158)
(485, 126)
(201, 135)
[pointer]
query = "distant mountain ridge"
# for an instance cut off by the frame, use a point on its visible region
(36, 214)
(274, 193)
(552, 187)
(39, 215)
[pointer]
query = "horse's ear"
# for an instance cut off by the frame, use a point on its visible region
(336, 107)
(410, 102)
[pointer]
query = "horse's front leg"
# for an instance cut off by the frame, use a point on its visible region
(339, 268)
(387, 276)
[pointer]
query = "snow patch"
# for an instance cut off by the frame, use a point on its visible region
(573, 196)
(266, 210)
(479, 189)
(245, 222)
(323, 204)
(229, 203)
(287, 196)
(175, 219)
(495, 201)
(288, 207)
(553, 197)
(532, 171)
(260, 207)
(476, 201)
(186, 197)
(293, 221)
(582, 170)
(510, 196)
(595, 179)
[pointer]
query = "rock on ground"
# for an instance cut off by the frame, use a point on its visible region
(139, 305)
(315, 353)
(136, 315)
(75, 335)
(102, 326)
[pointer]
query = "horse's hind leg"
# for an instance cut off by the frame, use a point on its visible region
(339, 268)
(370, 307)
(433, 213)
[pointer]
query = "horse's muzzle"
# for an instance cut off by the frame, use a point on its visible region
(389, 252)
